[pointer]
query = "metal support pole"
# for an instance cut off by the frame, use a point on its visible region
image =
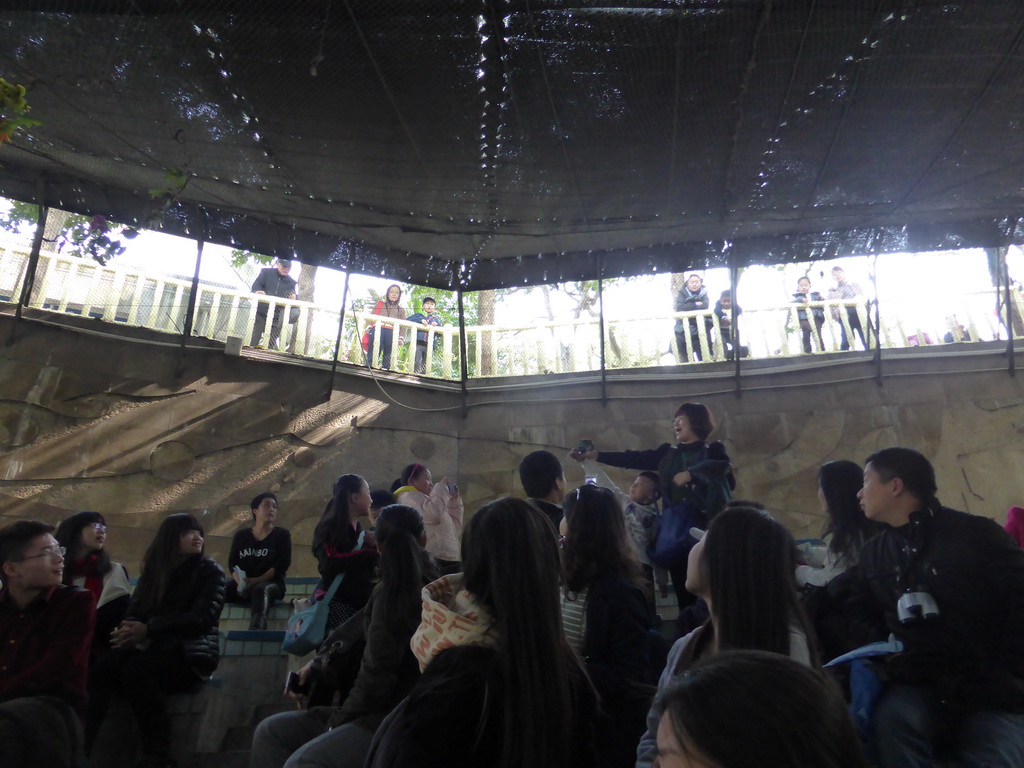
(463, 349)
(877, 326)
(1004, 270)
(193, 295)
(600, 321)
(734, 279)
(33, 260)
(337, 340)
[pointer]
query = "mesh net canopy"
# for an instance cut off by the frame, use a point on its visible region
(490, 144)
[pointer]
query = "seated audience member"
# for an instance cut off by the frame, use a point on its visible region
(168, 642)
(45, 636)
(743, 567)
(340, 549)
(640, 509)
(950, 587)
(501, 687)
(606, 618)
(541, 474)
(340, 737)
(45, 627)
(84, 536)
(263, 553)
(846, 527)
(378, 500)
(744, 708)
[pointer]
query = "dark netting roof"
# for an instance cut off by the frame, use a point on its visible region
(489, 143)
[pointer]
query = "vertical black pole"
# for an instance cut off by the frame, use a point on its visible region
(877, 323)
(1004, 270)
(734, 279)
(463, 350)
(33, 260)
(601, 327)
(193, 295)
(337, 341)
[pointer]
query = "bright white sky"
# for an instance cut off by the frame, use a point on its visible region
(922, 289)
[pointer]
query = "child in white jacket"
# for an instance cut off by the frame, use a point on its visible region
(442, 509)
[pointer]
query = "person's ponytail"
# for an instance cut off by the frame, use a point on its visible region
(404, 566)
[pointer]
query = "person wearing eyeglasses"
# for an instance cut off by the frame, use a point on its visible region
(45, 635)
(84, 536)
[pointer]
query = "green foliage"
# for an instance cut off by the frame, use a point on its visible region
(240, 257)
(13, 110)
(81, 236)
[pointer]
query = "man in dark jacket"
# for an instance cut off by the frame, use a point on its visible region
(542, 477)
(950, 587)
(272, 281)
(45, 636)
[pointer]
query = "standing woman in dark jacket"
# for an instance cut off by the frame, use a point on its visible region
(691, 470)
(340, 737)
(605, 615)
(168, 642)
(339, 550)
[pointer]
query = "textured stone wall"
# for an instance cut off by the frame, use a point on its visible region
(125, 427)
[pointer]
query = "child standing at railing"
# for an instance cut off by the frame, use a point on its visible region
(427, 317)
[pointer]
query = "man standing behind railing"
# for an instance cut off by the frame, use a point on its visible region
(272, 281)
(845, 290)
(692, 297)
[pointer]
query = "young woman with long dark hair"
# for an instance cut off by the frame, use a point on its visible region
(337, 548)
(168, 641)
(88, 565)
(441, 507)
(846, 527)
(340, 737)
(743, 567)
(501, 687)
(606, 618)
(741, 708)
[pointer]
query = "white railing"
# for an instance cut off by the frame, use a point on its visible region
(132, 297)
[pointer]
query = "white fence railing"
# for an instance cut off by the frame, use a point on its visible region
(132, 297)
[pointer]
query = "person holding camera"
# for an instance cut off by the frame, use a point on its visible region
(950, 587)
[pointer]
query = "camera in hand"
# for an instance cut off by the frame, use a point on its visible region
(916, 606)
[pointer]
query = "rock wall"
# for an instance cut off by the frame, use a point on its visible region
(126, 426)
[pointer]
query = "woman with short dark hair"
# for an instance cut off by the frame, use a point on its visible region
(692, 472)
(259, 559)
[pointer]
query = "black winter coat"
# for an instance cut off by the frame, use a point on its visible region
(972, 654)
(189, 613)
(712, 476)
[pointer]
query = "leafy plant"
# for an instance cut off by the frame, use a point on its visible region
(13, 110)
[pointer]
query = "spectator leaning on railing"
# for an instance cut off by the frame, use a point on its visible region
(272, 281)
